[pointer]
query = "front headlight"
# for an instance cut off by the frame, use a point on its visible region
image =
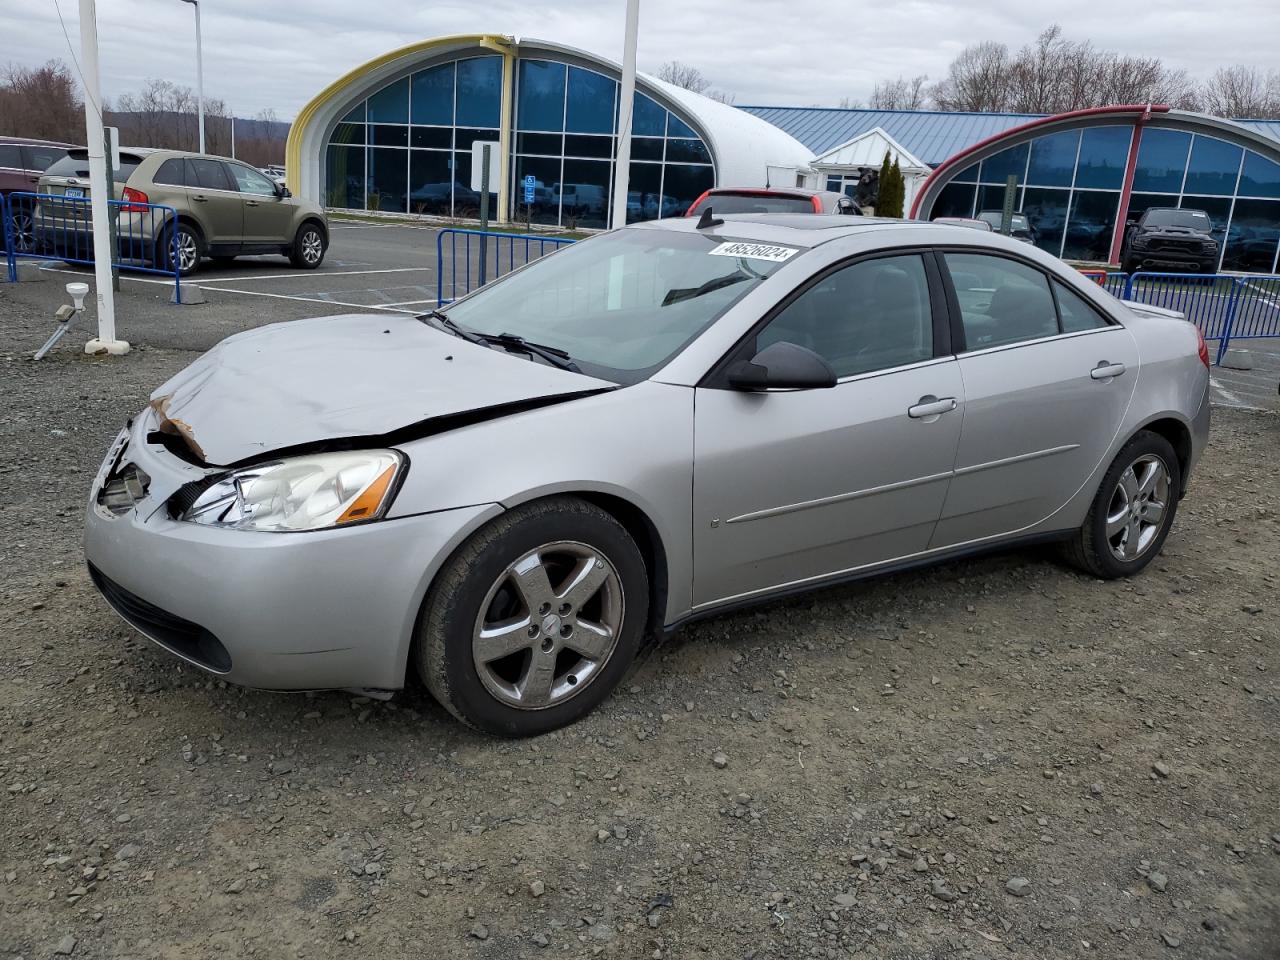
(301, 493)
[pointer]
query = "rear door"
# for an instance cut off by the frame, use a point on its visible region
(795, 485)
(268, 218)
(1047, 381)
(215, 202)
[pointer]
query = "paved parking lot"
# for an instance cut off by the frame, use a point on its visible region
(995, 758)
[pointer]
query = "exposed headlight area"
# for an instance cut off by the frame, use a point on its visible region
(313, 492)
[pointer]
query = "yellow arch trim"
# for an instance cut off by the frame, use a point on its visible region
(293, 146)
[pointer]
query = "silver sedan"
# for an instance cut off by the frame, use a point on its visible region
(513, 494)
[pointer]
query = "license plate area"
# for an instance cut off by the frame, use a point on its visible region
(74, 192)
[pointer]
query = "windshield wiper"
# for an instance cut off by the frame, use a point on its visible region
(553, 355)
(443, 322)
(689, 293)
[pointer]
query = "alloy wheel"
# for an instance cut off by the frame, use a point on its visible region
(548, 625)
(24, 232)
(312, 247)
(188, 251)
(1137, 508)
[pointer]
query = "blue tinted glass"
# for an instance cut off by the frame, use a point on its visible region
(1255, 233)
(433, 96)
(1218, 209)
(1260, 176)
(954, 200)
(1162, 160)
(968, 175)
(1053, 159)
(687, 151)
(1046, 213)
(590, 105)
(1104, 151)
(678, 128)
(344, 177)
(649, 120)
(1011, 161)
(479, 92)
(390, 104)
(388, 179)
(356, 115)
(1091, 225)
(541, 97)
(1213, 166)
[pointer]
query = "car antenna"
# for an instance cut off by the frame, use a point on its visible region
(707, 220)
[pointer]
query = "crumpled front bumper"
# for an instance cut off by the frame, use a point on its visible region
(290, 611)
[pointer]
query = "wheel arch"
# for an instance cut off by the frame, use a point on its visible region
(312, 218)
(1178, 434)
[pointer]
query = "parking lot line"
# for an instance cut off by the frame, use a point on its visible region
(251, 293)
(1230, 399)
(313, 273)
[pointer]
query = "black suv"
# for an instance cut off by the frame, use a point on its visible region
(1170, 238)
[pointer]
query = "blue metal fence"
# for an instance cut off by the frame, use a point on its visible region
(466, 259)
(44, 226)
(1224, 307)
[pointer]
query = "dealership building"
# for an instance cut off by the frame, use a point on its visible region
(399, 133)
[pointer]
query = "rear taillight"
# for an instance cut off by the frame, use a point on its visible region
(1202, 348)
(135, 201)
(694, 206)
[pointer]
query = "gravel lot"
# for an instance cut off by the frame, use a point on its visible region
(994, 758)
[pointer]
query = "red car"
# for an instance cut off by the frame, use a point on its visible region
(773, 200)
(22, 161)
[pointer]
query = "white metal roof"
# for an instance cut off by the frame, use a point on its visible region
(868, 150)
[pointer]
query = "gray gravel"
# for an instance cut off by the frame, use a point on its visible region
(896, 754)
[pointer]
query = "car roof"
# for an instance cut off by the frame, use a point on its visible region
(33, 142)
(813, 229)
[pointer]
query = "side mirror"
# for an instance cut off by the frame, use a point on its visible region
(782, 365)
(283, 192)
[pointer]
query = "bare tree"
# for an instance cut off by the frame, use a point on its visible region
(850, 103)
(900, 94)
(41, 102)
(683, 75)
(1242, 91)
(978, 79)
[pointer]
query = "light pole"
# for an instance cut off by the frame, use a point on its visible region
(199, 73)
(622, 162)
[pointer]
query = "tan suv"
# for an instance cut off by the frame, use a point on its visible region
(225, 208)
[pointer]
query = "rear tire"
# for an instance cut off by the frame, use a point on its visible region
(308, 248)
(1132, 511)
(506, 645)
(190, 249)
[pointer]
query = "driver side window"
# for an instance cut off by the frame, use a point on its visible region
(867, 316)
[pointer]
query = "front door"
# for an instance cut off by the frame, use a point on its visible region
(1047, 382)
(267, 217)
(215, 202)
(794, 485)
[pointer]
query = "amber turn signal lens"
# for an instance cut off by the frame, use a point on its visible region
(366, 505)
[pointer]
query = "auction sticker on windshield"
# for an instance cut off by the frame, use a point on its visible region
(753, 251)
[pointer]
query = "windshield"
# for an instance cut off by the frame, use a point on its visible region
(624, 303)
(1188, 219)
(754, 203)
(994, 218)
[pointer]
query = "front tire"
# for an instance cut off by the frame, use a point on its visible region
(308, 248)
(1132, 511)
(535, 619)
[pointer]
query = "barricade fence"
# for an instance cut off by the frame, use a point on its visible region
(45, 226)
(466, 259)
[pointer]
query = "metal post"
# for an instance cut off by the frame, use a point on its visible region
(95, 139)
(485, 153)
(111, 220)
(1010, 201)
(233, 135)
(199, 73)
(627, 93)
(1225, 343)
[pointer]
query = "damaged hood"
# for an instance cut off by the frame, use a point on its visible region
(343, 377)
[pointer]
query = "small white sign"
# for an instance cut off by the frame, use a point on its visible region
(477, 164)
(754, 251)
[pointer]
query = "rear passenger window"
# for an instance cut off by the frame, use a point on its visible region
(209, 174)
(1075, 312)
(11, 156)
(42, 158)
(870, 315)
(172, 172)
(1001, 301)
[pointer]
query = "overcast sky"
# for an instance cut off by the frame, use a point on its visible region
(278, 53)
